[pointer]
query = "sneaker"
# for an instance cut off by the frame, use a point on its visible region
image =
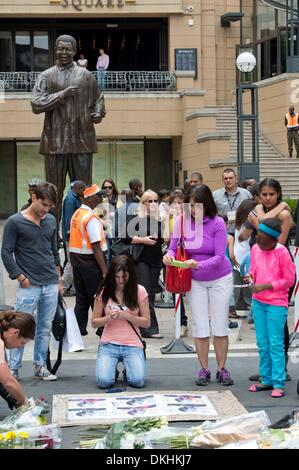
(223, 377)
(204, 377)
(44, 374)
(184, 331)
(15, 373)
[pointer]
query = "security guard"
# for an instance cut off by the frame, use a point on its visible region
(292, 125)
(87, 244)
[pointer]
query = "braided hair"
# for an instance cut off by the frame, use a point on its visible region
(24, 322)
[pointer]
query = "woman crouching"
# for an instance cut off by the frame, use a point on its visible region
(121, 306)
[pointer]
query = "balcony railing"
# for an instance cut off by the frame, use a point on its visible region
(109, 81)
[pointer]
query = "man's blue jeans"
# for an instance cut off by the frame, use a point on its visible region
(109, 355)
(101, 73)
(269, 321)
(43, 300)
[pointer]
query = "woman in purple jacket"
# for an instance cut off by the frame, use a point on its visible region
(205, 241)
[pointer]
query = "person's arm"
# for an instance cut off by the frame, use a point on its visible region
(286, 225)
(8, 381)
(69, 210)
(56, 256)
(232, 257)
(273, 213)
(99, 257)
(9, 241)
(288, 271)
(99, 318)
(285, 121)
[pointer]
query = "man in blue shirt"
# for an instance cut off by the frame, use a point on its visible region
(71, 203)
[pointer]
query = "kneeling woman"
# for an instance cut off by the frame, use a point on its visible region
(16, 329)
(121, 306)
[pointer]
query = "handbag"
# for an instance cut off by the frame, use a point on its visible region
(178, 280)
(59, 322)
(119, 247)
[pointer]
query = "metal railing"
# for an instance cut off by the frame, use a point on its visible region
(109, 81)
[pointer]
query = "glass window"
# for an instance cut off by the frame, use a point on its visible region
(7, 178)
(5, 51)
(23, 62)
(247, 21)
(281, 18)
(40, 51)
(265, 20)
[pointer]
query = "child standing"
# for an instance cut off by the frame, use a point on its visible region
(273, 273)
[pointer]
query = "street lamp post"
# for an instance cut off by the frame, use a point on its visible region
(250, 168)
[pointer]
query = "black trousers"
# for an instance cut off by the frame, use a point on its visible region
(77, 166)
(87, 280)
(148, 277)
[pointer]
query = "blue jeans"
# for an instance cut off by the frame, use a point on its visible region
(269, 321)
(101, 73)
(109, 355)
(43, 299)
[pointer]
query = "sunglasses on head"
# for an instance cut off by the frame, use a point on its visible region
(107, 187)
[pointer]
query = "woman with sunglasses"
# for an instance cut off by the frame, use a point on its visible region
(148, 232)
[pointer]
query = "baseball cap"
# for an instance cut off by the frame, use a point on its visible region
(93, 190)
(34, 182)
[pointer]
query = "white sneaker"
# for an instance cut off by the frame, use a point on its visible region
(44, 374)
(184, 331)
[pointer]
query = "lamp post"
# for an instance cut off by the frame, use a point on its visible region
(250, 168)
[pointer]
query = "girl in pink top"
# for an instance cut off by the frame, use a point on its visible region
(273, 272)
(121, 306)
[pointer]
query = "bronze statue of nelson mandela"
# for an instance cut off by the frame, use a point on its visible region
(70, 97)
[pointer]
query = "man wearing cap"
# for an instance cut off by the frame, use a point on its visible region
(71, 203)
(87, 244)
(72, 102)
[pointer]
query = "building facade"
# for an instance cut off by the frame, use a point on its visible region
(171, 79)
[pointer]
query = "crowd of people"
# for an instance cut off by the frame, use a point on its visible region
(116, 245)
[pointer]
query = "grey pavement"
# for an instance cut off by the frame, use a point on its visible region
(165, 371)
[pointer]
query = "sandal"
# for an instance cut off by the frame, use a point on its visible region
(277, 393)
(156, 336)
(260, 388)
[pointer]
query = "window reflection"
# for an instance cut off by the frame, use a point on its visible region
(5, 51)
(23, 62)
(247, 24)
(40, 51)
(265, 20)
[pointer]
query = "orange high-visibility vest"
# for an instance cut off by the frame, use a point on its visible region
(292, 120)
(79, 241)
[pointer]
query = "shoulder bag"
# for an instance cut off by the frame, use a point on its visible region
(178, 280)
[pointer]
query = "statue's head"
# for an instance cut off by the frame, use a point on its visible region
(65, 49)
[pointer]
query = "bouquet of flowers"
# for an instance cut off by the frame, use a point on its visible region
(130, 434)
(38, 437)
(31, 413)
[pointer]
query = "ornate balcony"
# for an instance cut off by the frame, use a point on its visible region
(110, 81)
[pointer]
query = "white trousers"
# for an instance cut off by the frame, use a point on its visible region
(210, 297)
